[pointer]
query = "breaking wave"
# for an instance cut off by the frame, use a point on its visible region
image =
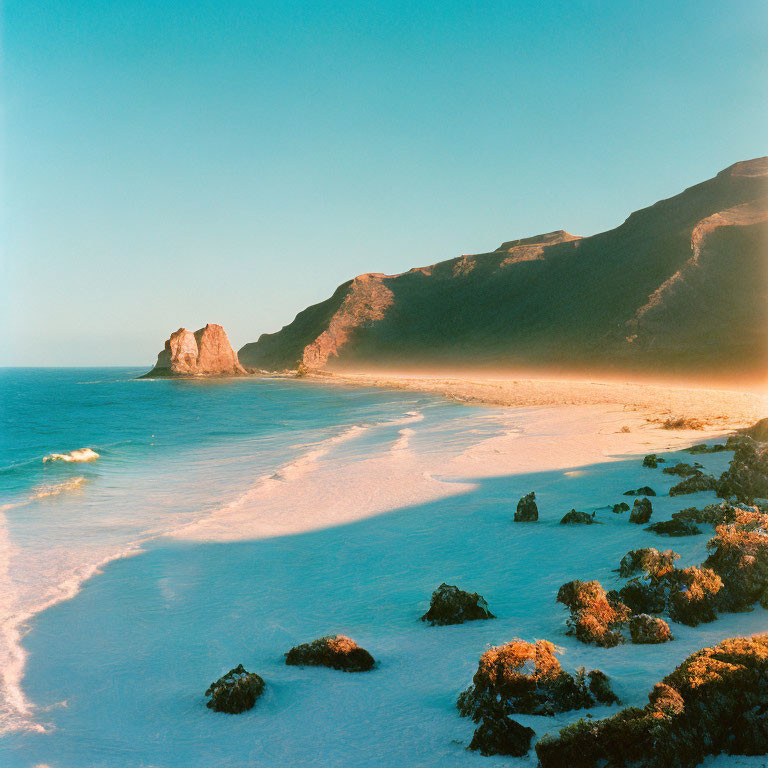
(78, 455)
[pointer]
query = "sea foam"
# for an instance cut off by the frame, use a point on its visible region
(78, 455)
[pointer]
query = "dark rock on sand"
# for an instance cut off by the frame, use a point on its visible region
(694, 484)
(713, 703)
(336, 652)
(712, 514)
(675, 527)
(526, 678)
(622, 506)
(642, 491)
(498, 734)
(596, 617)
(682, 470)
(648, 596)
(527, 511)
(647, 560)
(648, 630)
(451, 605)
(688, 594)
(652, 461)
(691, 598)
(641, 512)
(235, 692)
(600, 687)
(578, 518)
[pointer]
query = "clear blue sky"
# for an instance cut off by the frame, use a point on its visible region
(175, 163)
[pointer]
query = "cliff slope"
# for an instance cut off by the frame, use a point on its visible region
(206, 352)
(679, 288)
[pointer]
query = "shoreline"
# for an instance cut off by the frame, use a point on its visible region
(293, 573)
(715, 409)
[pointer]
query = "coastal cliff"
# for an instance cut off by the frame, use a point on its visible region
(206, 352)
(679, 288)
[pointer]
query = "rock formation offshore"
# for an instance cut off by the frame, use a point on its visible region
(206, 352)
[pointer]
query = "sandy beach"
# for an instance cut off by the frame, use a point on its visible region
(713, 409)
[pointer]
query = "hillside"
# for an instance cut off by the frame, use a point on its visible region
(680, 288)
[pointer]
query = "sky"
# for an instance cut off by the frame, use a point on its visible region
(169, 164)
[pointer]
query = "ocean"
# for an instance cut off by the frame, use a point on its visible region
(225, 521)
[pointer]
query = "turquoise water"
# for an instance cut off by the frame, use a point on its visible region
(111, 631)
(170, 452)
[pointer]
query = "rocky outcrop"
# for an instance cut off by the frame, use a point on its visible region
(713, 703)
(738, 554)
(206, 352)
(235, 692)
(366, 302)
(677, 289)
(336, 652)
(747, 476)
(641, 512)
(578, 518)
(712, 514)
(451, 605)
(648, 630)
(527, 679)
(622, 506)
(688, 594)
(682, 470)
(647, 560)
(500, 735)
(596, 617)
(695, 483)
(643, 490)
(652, 461)
(527, 511)
(700, 448)
(675, 527)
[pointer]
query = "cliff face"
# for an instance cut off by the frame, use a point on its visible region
(206, 352)
(679, 288)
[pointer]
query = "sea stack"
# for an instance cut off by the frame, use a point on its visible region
(206, 352)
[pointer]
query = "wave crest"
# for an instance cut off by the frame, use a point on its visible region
(78, 455)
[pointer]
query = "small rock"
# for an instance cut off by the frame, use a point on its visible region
(675, 527)
(682, 470)
(501, 735)
(600, 688)
(451, 605)
(642, 491)
(235, 692)
(648, 630)
(694, 484)
(641, 512)
(622, 506)
(652, 460)
(577, 518)
(704, 448)
(647, 560)
(527, 511)
(336, 652)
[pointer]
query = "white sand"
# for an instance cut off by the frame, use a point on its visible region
(534, 439)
